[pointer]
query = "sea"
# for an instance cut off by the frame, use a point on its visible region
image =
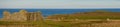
(48, 12)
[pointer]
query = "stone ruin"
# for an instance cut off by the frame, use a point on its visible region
(22, 15)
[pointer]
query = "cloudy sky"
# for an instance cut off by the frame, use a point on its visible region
(59, 3)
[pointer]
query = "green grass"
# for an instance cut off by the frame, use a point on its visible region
(50, 23)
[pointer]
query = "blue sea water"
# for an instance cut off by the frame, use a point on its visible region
(47, 12)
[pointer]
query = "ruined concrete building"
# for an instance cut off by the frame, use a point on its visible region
(22, 15)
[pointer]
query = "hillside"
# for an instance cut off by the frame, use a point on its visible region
(87, 15)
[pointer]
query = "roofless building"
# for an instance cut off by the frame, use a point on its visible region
(22, 15)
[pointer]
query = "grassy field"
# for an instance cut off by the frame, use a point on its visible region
(48, 23)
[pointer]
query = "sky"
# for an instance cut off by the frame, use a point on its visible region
(59, 3)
